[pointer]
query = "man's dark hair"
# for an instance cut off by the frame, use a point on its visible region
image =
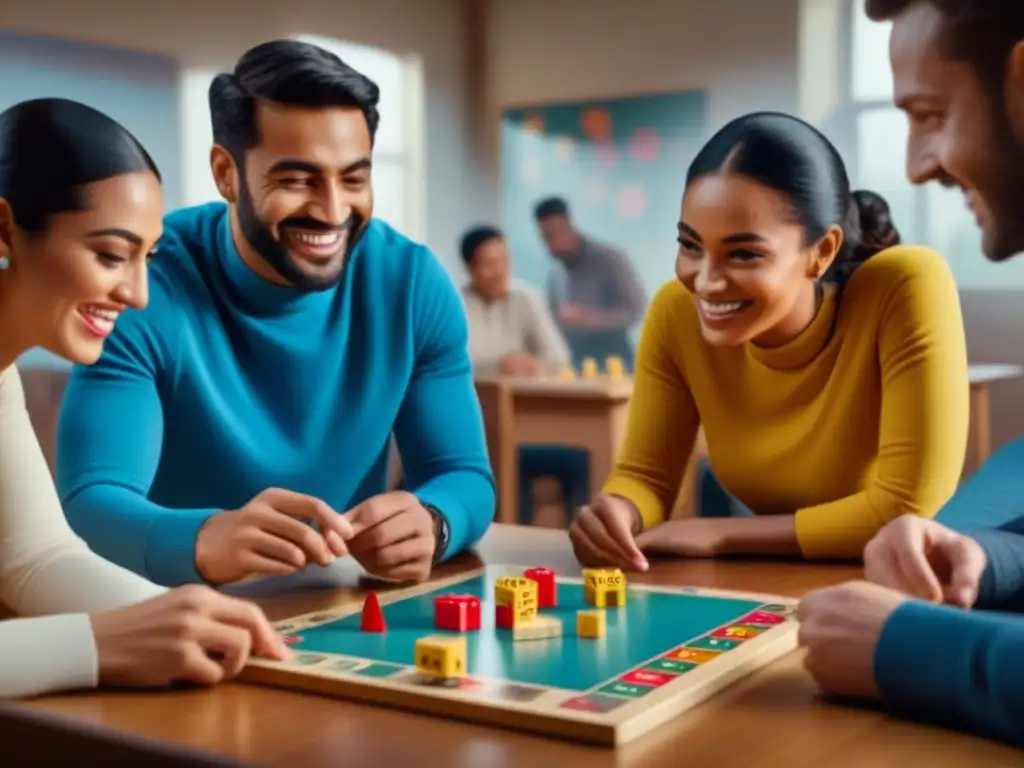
(476, 237)
(551, 206)
(288, 72)
(979, 32)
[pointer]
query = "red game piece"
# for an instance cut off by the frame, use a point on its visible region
(504, 616)
(547, 591)
(458, 613)
(373, 616)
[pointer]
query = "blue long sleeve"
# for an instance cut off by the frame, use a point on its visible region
(991, 497)
(109, 442)
(438, 429)
(227, 385)
(1002, 585)
(956, 668)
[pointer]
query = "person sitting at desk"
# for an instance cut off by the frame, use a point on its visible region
(512, 333)
(289, 334)
(80, 209)
(827, 367)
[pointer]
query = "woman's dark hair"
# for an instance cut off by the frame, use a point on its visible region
(51, 148)
(877, 231)
(793, 158)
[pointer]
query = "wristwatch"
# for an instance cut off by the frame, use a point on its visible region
(442, 532)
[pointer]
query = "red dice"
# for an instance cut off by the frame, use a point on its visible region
(457, 613)
(504, 616)
(547, 591)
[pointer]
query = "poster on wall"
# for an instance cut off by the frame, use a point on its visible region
(620, 164)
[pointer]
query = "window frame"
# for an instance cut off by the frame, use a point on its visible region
(852, 108)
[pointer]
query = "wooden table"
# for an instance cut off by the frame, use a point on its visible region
(770, 720)
(580, 413)
(982, 376)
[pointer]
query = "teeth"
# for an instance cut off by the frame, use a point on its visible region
(720, 307)
(311, 239)
(102, 314)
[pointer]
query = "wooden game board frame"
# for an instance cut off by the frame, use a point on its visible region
(545, 715)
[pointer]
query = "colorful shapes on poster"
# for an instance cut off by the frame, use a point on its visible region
(565, 148)
(631, 201)
(533, 123)
(645, 145)
(596, 123)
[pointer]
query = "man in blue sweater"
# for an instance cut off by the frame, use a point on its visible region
(907, 635)
(288, 336)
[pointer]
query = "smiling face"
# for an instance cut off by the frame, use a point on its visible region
(305, 193)
(742, 254)
(67, 286)
(961, 134)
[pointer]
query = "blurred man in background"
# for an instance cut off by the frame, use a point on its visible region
(512, 333)
(601, 298)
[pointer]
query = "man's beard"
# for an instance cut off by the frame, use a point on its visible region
(276, 254)
(1004, 237)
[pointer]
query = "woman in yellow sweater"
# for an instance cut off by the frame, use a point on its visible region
(827, 368)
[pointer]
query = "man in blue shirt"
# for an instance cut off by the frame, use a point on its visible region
(288, 336)
(906, 635)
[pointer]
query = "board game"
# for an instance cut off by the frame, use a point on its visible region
(590, 659)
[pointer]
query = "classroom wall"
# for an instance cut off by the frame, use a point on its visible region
(744, 55)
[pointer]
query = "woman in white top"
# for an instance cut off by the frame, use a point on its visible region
(80, 212)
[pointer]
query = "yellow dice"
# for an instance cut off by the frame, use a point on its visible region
(592, 624)
(604, 587)
(441, 656)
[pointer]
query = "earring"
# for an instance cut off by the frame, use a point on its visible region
(5, 262)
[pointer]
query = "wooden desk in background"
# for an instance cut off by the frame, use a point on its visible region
(773, 718)
(581, 413)
(982, 376)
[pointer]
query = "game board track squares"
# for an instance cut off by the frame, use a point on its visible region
(739, 632)
(694, 655)
(763, 618)
(710, 643)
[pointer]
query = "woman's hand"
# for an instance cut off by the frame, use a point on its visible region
(603, 534)
(190, 634)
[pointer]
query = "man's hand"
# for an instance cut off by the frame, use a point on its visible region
(393, 537)
(840, 627)
(519, 365)
(270, 536)
(924, 559)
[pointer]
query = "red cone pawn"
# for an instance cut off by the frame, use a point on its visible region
(373, 616)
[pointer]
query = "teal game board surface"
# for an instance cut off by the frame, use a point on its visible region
(663, 652)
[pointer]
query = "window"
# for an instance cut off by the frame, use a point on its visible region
(397, 163)
(929, 214)
(397, 173)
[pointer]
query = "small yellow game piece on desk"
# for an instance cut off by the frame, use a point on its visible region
(567, 374)
(589, 368)
(591, 624)
(441, 657)
(613, 367)
(604, 587)
(537, 628)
